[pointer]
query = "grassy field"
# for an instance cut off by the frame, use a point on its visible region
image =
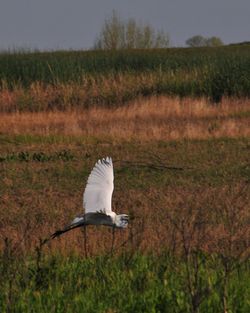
(187, 246)
(182, 173)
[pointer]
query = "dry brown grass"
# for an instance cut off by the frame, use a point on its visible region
(154, 118)
(41, 211)
(206, 204)
(164, 219)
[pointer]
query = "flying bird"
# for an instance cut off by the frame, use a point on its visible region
(97, 200)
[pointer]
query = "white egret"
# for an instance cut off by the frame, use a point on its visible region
(97, 199)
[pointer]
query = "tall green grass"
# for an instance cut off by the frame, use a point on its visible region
(210, 72)
(127, 283)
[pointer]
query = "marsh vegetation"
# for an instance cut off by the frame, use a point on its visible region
(181, 173)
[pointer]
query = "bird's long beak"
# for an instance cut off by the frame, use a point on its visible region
(124, 217)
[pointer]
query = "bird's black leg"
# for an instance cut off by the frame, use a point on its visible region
(113, 240)
(85, 241)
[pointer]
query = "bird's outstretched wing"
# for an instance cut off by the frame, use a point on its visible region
(97, 196)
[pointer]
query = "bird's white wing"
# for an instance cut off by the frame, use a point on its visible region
(100, 185)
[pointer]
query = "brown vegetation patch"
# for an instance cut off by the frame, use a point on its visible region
(155, 118)
(171, 219)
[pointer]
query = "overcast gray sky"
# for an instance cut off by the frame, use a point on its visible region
(74, 24)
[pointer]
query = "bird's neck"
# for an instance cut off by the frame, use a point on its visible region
(113, 216)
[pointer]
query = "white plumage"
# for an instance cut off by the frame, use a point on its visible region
(97, 196)
(97, 200)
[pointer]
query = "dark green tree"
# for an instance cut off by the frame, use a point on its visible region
(200, 41)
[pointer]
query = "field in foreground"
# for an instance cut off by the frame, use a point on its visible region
(136, 283)
(187, 247)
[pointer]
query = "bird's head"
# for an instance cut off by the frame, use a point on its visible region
(121, 220)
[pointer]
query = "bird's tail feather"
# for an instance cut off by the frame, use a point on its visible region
(69, 227)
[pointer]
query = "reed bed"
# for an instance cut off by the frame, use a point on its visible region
(59, 80)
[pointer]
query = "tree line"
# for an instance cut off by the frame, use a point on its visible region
(117, 33)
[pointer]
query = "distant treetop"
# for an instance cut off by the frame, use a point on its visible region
(118, 34)
(200, 41)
